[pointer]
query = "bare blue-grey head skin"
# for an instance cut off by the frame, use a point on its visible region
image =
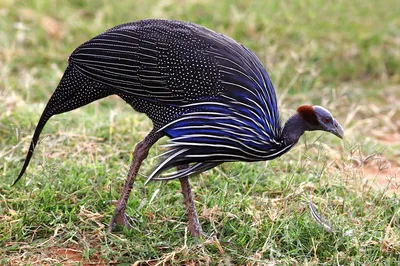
(327, 122)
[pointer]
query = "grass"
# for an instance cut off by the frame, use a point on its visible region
(341, 55)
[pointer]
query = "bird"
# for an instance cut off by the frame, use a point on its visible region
(209, 94)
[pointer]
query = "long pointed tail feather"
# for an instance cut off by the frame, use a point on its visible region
(42, 122)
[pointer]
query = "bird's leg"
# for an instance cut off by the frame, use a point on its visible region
(140, 153)
(193, 220)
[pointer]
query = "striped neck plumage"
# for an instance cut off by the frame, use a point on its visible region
(293, 129)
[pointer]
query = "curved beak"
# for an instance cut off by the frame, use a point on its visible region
(337, 129)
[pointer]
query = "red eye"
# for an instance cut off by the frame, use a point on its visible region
(326, 120)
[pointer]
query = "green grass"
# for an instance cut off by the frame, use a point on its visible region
(339, 54)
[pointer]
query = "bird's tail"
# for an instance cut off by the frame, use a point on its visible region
(73, 91)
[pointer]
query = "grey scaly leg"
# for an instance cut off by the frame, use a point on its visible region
(140, 153)
(193, 220)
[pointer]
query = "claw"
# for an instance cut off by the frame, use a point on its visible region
(120, 217)
(124, 220)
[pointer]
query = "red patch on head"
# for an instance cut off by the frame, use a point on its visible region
(308, 114)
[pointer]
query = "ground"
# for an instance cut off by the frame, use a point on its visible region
(338, 54)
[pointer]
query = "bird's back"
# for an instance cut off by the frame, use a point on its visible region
(155, 60)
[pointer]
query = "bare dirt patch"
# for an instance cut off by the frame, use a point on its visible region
(389, 139)
(382, 174)
(71, 255)
(67, 255)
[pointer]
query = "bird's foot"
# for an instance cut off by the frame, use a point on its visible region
(120, 217)
(194, 227)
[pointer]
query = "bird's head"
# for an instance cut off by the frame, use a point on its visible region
(318, 118)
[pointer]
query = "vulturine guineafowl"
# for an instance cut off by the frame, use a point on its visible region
(208, 93)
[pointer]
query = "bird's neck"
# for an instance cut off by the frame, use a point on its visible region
(293, 129)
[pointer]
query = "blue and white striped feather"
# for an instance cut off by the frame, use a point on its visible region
(227, 107)
(243, 125)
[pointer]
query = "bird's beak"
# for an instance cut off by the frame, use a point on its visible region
(337, 130)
